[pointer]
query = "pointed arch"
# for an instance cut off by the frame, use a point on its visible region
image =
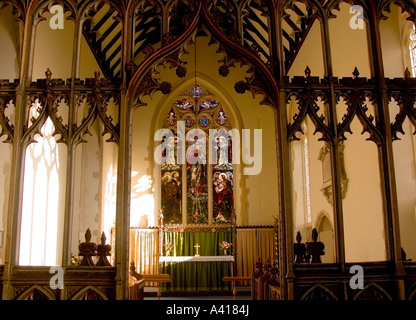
(262, 82)
(412, 295)
(321, 219)
(80, 294)
(45, 291)
(319, 291)
(375, 292)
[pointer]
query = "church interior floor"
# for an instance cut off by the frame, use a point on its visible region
(243, 293)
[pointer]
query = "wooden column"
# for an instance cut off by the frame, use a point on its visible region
(283, 158)
(388, 177)
(335, 148)
(17, 162)
(122, 227)
(70, 169)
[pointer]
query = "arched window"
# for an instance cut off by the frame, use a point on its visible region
(196, 171)
(413, 50)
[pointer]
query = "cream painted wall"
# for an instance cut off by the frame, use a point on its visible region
(394, 57)
(5, 167)
(349, 47)
(10, 45)
(53, 49)
(363, 205)
(87, 63)
(310, 54)
(87, 210)
(405, 165)
(43, 202)
(9, 55)
(309, 149)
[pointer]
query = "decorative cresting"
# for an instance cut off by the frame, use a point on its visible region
(142, 72)
(44, 101)
(150, 82)
(88, 250)
(50, 98)
(307, 94)
(310, 252)
(383, 7)
(357, 93)
(97, 102)
(403, 92)
(22, 7)
(7, 105)
(362, 92)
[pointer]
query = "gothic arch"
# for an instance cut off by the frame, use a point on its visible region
(87, 289)
(320, 220)
(319, 292)
(325, 227)
(374, 292)
(235, 120)
(44, 291)
(216, 89)
(412, 295)
(262, 82)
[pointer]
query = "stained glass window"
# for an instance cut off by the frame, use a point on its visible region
(209, 185)
(171, 180)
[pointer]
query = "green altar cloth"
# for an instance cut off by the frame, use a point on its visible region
(197, 274)
(190, 273)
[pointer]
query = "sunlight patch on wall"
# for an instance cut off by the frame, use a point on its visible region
(142, 201)
(41, 195)
(110, 198)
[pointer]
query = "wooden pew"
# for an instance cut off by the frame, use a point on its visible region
(159, 278)
(137, 282)
(234, 282)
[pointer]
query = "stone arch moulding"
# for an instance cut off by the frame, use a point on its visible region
(321, 218)
(44, 291)
(142, 81)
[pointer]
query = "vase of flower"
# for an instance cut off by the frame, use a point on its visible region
(168, 248)
(225, 245)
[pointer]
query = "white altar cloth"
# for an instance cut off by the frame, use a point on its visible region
(196, 259)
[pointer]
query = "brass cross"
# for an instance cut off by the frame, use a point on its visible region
(197, 246)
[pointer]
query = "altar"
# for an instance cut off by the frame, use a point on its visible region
(197, 273)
